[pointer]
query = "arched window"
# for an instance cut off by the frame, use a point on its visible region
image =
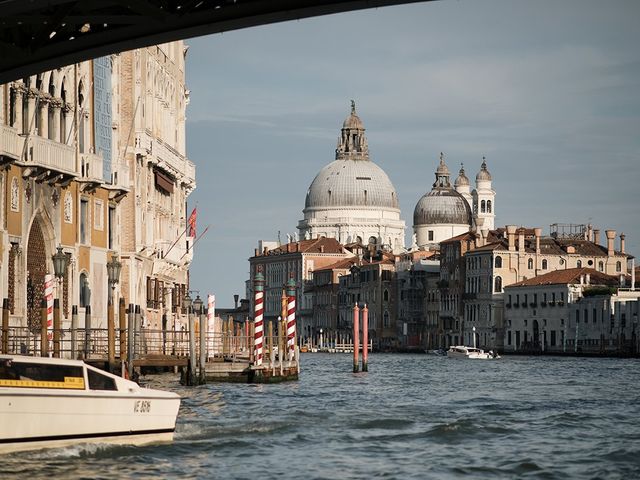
(63, 122)
(530, 264)
(498, 262)
(483, 206)
(85, 291)
(498, 285)
(488, 206)
(618, 266)
(51, 111)
(544, 264)
(579, 264)
(373, 240)
(601, 266)
(385, 296)
(81, 122)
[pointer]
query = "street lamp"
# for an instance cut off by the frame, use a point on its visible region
(186, 303)
(60, 263)
(197, 305)
(113, 276)
(113, 270)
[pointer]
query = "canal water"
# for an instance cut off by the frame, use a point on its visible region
(410, 416)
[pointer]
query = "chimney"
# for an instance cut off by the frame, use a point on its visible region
(321, 248)
(264, 252)
(622, 237)
(511, 234)
(589, 233)
(596, 236)
(587, 279)
(521, 240)
(538, 233)
(611, 235)
(289, 247)
(256, 252)
(633, 274)
(297, 246)
(581, 279)
(235, 300)
(484, 233)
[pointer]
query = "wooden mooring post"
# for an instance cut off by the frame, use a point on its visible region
(356, 337)
(74, 332)
(5, 325)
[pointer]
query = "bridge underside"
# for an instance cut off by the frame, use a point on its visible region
(39, 35)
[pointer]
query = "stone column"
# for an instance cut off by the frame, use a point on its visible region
(55, 131)
(17, 107)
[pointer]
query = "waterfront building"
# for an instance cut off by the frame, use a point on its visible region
(448, 211)
(60, 185)
(93, 162)
(150, 104)
(352, 199)
(577, 310)
(371, 281)
(417, 276)
(297, 260)
(519, 254)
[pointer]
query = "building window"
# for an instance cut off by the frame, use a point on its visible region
(385, 296)
(498, 262)
(530, 264)
(488, 206)
(498, 284)
(618, 266)
(98, 214)
(85, 291)
(483, 206)
(579, 263)
(386, 319)
(601, 266)
(544, 264)
(84, 220)
(112, 227)
(431, 235)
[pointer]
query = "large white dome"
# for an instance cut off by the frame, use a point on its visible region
(352, 199)
(350, 183)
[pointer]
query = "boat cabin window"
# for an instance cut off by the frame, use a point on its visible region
(10, 370)
(98, 381)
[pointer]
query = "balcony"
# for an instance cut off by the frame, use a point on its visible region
(524, 304)
(10, 143)
(166, 156)
(51, 155)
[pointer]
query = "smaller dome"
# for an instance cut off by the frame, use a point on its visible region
(462, 178)
(353, 120)
(442, 206)
(483, 174)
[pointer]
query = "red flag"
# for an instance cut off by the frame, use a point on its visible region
(192, 223)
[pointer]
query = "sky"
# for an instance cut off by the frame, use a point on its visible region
(547, 90)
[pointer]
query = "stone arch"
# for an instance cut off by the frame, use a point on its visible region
(38, 260)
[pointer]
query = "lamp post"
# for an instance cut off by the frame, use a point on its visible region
(202, 323)
(60, 264)
(113, 275)
(188, 303)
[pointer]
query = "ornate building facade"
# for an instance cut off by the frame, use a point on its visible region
(352, 199)
(92, 160)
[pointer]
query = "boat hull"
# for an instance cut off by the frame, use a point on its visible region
(33, 420)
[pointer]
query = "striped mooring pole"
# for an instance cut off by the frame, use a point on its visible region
(291, 317)
(258, 315)
(356, 339)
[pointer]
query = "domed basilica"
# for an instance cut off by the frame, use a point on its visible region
(352, 199)
(447, 211)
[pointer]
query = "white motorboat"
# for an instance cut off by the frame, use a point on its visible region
(52, 402)
(460, 351)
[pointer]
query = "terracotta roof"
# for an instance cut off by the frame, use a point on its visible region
(499, 245)
(327, 245)
(462, 236)
(345, 264)
(569, 276)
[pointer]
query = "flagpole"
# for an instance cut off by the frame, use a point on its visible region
(185, 231)
(195, 241)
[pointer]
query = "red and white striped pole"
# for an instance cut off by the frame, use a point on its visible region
(258, 316)
(365, 338)
(291, 317)
(356, 337)
(48, 295)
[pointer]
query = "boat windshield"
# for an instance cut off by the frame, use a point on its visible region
(40, 375)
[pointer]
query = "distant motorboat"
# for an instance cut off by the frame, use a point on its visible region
(52, 402)
(461, 351)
